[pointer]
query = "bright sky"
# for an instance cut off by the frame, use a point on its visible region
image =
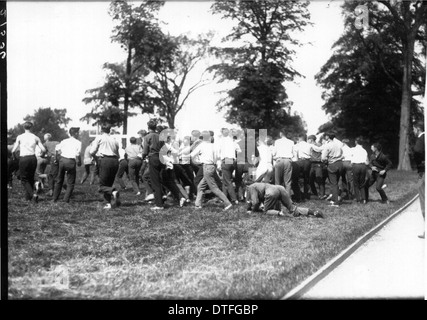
(56, 51)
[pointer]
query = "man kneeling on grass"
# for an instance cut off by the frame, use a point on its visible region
(272, 196)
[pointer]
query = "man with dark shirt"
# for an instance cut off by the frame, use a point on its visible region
(152, 147)
(380, 164)
(419, 157)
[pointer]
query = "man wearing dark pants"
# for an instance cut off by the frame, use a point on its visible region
(380, 164)
(123, 168)
(283, 152)
(107, 147)
(359, 162)
(241, 164)
(332, 155)
(272, 197)
(303, 151)
(134, 155)
(26, 142)
(152, 147)
(317, 175)
(69, 150)
(419, 157)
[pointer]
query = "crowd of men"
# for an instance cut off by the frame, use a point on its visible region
(237, 166)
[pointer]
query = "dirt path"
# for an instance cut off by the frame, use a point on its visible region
(390, 265)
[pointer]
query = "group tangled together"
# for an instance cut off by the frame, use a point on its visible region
(238, 166)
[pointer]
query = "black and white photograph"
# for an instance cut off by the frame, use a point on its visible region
(224, 151)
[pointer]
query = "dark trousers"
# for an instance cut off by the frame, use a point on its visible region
(144, 167)
(238, 180)
(134, 166)
(347, 179)
(65, 166)
(168, 179)
(227, 168)
(375, 177)
(296, 171)
(53, 173)
(108, 167)
(283, 173)
(123, 168)
(27, 169)
(155, 167)
(185, 175)
(335, 171)
(305, 166)
(317, 176)
(359, 180)
(147, 181)
(12, 166)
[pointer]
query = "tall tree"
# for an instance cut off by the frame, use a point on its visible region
(259, 60)
(138, 32)
(362, 81)
(407, 18)
(45, 120)
(108, 100)
(170, 84)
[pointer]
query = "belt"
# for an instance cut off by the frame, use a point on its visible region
(279, 158)
(104, 156)
(68, 158)
(228, 159)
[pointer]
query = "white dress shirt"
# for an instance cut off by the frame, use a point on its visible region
(359, 155)
(303, 149)
(27, 144)
(69, 148)
(206, 151)
(283, 148)
(227, 148)
(347, 153)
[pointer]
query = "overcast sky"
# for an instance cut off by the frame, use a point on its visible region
(56, 51)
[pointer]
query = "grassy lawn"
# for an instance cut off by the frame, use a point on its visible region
(80, 251)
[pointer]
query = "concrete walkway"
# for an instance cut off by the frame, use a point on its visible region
(390, 265)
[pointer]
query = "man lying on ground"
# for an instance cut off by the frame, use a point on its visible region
(272, 197)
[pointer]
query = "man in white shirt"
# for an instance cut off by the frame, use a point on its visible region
(27, 143)
(105, 149)
(208, 157)
(227, 150)
(359, 162)
(283, 151)
(332, 155)
(69, 150)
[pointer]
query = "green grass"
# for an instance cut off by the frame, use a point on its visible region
(80, 251)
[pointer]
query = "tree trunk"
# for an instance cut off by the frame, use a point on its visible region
(405, 107)
(171, 121)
